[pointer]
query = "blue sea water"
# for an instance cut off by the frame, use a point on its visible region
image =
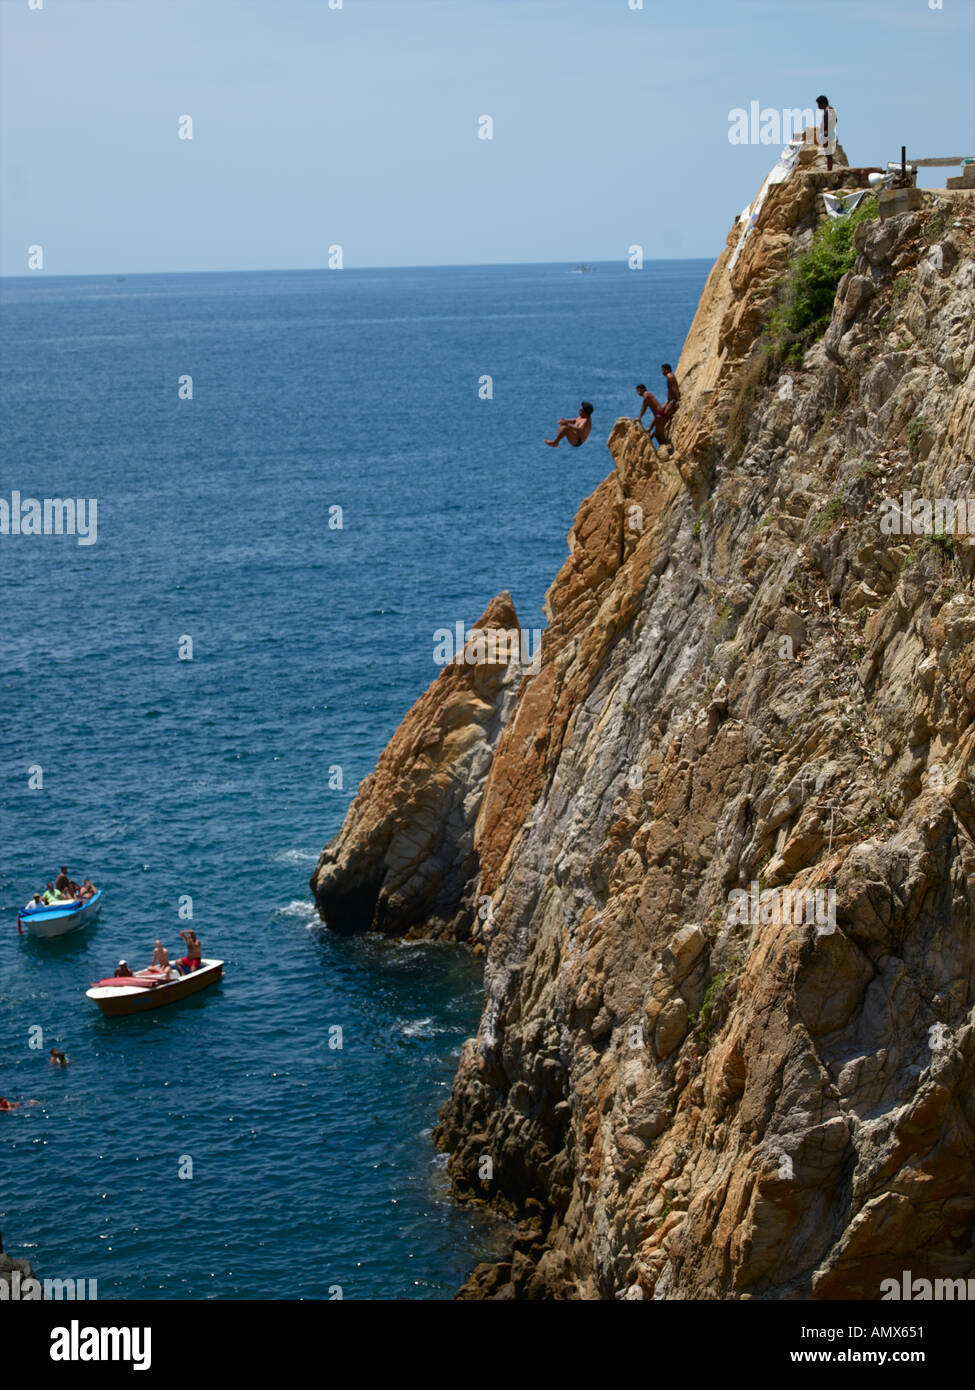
(312, 1165)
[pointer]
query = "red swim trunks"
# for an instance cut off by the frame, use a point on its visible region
(190, 963)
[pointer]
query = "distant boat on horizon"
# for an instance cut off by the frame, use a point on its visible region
(581, 269)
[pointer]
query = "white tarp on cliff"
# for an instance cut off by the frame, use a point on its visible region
(778, 174)
(842, 204)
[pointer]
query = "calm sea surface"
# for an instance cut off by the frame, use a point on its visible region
(311, 1165)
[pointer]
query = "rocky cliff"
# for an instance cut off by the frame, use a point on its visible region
(718, 849)
(20, 1280)
(404, 862)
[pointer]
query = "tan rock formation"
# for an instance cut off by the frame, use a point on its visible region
(728, 832)
(404, 860)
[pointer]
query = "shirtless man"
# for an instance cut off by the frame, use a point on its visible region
(160, 963)
(64, 884)
(58, 1059)
(662, 414)
(194, 951)
(575, 431)
(122, 970)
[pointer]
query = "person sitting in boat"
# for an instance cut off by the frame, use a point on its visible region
(160, 964)
(36, 901)
(194, 951)
(122, 970)
(88, 889)
(66, 886)
(51, 895)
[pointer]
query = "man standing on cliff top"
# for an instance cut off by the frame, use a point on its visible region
(826, 130)
(662, 414)
(575, 431)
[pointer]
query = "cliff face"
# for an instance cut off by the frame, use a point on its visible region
(404, 860)
(726, 833)
(16, 1274)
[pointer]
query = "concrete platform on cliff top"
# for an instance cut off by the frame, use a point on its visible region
(842, 177)
(891, 202)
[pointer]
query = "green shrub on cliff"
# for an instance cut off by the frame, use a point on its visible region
(808, 291)
(934, 229)
(801, 314)
(713, 990)
(940, 540)
(830, 513)
(915, 429)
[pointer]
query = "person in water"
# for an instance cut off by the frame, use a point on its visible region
(122, 971)
(6, 1104)
(575, 431)
(664, 412)
(57, 1059)
(194, 951)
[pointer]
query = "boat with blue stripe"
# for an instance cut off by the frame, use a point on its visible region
(58, 919)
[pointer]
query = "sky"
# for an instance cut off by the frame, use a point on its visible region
(357, 126)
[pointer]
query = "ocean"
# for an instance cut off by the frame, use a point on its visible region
(188, 704)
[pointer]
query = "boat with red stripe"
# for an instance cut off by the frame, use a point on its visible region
(149, 989)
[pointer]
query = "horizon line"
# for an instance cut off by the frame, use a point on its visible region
(312, 270)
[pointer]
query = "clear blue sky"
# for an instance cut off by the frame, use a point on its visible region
(357, 126)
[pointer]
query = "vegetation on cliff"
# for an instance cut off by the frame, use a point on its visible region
(802, 302)
(808, 291)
